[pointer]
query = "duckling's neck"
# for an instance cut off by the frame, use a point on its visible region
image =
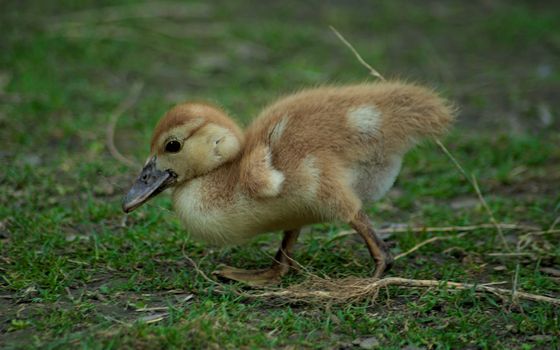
(217, 188)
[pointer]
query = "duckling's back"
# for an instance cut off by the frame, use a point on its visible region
(339, 117)
(328, 140)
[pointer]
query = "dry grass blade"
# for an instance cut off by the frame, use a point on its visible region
(153, 318)
(219, 286)
(117, 113)
(372, 71)
(472, 180)
(151, 309)
(554, 223)
(493, 283)
(423, 243)
(350, 289)
(196, 268)
(511, 254)
(466, 228)
(489, 211)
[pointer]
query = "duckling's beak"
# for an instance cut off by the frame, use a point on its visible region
(150, 182)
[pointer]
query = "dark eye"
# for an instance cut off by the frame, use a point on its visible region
(173, 146)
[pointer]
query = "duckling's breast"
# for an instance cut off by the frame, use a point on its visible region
(231, 219)
(208, 220)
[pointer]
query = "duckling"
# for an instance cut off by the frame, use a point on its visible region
(320, 155)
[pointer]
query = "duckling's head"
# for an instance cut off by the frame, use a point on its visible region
(190, 140)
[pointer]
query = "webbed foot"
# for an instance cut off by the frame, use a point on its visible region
(262, 277)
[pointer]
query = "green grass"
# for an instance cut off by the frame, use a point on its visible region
(71, 275)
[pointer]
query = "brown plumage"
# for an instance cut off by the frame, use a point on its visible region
(316, 156)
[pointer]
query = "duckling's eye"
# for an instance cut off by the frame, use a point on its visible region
(173, 146)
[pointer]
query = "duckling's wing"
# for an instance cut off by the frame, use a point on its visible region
(258, 177)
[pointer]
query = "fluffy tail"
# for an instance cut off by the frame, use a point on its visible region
(413, 113)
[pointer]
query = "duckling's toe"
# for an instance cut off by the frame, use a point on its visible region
(261, 277)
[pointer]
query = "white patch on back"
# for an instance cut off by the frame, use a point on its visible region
(366, 119)
(277, 130)
(275, 178)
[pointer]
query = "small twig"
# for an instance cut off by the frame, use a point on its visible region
(516, 254)
(69, 293)
(515, 282)
(165, 308)
(123, 221)
(112, 319)
(197, 269)
(493, 283)
(372, 71)
(127, 103)
(472, 180)
(428, 241)
(153, 318)
(554, 223)
(369, 287)
(150, 309)
(516, 275)
(77, 262)
(489, 211)
(539, 233)
(453, 159)
(436, 229)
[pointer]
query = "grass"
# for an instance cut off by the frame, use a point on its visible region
(72, 275)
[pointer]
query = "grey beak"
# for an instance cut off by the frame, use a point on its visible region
(149, 183)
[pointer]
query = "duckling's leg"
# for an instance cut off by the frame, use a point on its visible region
(272, 275)
(377, 248)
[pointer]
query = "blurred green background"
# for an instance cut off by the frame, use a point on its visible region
(73, 275)
(71, 62)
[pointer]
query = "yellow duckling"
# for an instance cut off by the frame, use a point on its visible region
(319, 155)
